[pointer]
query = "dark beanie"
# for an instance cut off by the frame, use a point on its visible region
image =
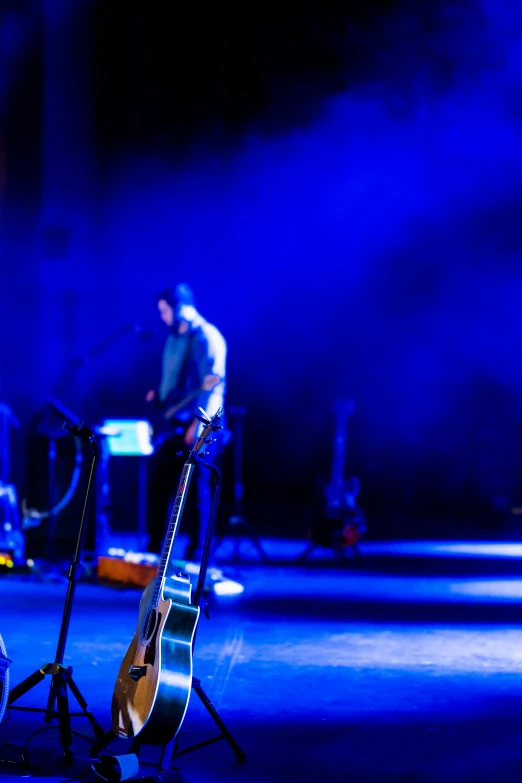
(180, 295)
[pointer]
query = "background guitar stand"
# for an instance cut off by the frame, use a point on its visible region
(61, 675)
(165, 771)
(342, 533)
(238, 520)
(340, 552)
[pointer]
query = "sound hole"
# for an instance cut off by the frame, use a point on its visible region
(149, 625)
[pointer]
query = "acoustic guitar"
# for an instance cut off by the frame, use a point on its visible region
(155, 679)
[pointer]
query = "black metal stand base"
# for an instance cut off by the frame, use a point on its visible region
(61, 675)
(341, 553)
(233, 524)
(61, 682)
(225, 733)
(171, 752)
(108, 770)
(238, 519)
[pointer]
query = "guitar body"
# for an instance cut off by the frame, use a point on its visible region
(153, 686)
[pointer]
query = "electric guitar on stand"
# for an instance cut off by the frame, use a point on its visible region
(347, 521)
(154, 682)
(339, 520)
(336, 489)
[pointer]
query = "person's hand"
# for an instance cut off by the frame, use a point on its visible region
(150, 396)
(190, 434)
(209, 381)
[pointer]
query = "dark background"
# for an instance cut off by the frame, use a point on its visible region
(339, 182)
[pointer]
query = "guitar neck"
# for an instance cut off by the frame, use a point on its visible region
(339, 450)
(173, 409)
(339, 459)
(172, 529)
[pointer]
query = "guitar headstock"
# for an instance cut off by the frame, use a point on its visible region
(210, 426)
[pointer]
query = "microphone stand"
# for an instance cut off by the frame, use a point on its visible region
(99, 348)
(61, 675)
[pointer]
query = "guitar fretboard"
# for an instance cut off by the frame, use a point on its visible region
(172, 529)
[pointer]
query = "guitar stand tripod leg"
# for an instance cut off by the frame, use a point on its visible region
(103, 741)
(61, 676)
(196, 682)
(356, 553)
(233, 522)
(170, 752)
(306, 554)
(214, 714)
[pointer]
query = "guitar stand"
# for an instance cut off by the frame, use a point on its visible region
(61, 675)
(340, 552)
(164, 770)
(238, 519)
(235, 522)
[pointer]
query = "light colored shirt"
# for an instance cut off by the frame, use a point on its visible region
(188, 358)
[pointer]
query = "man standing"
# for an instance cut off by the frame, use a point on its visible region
(194, 360)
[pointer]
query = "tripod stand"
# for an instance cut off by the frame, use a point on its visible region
(61, 675)
(238, 519)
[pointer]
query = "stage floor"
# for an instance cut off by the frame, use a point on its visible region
(322, 674)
